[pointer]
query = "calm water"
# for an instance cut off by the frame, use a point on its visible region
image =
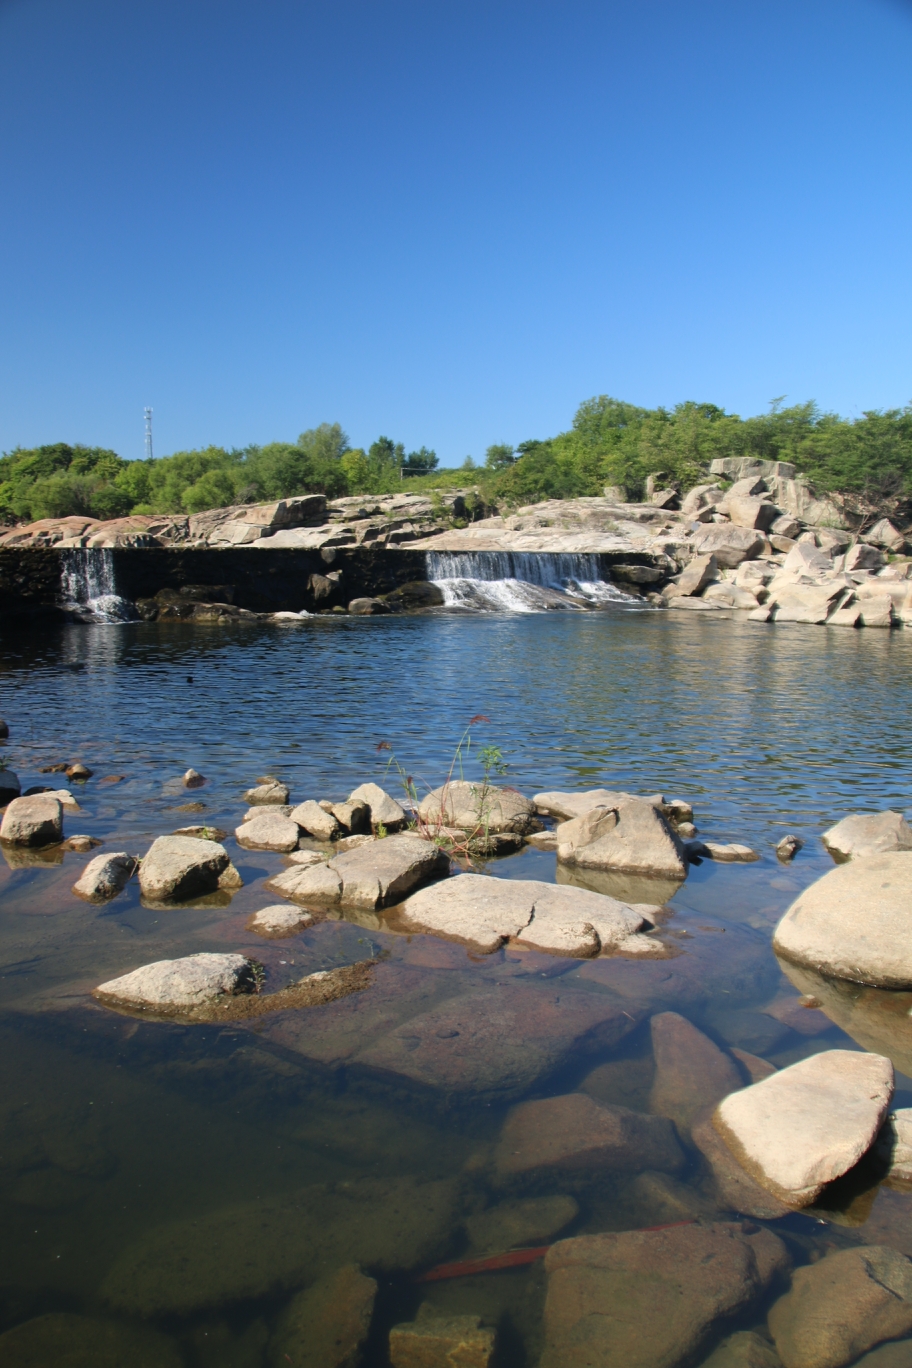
(189, 1180)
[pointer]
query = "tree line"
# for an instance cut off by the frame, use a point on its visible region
(609, 443)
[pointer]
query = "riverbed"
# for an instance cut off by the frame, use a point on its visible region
(161, 1176)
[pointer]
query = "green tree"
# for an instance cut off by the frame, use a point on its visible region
(499, 456)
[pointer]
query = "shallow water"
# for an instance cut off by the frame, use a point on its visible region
(170, 1176)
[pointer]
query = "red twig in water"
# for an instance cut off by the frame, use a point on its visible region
(513, 1258)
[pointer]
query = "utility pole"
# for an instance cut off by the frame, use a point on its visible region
(148, 413)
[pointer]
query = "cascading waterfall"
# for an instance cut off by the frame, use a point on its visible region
(520, 581)
(87, 585)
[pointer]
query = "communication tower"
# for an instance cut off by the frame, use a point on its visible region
(148, 413)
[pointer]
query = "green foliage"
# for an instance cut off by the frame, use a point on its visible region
(59, 480)
(498, 456)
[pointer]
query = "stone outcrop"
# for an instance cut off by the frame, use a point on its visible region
(35, 821)
(853, 923)
(178, 868)
(842, 1306)
(643, 1298)
(873, 833)
(62, 1338)
(808, 1124)
(193, 981)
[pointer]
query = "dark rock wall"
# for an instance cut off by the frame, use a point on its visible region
(29, 583)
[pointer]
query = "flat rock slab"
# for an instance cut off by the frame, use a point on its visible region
(35, 821)
(567, 806)
(485, 912)
(808, 1124)
(188, 982)
(369, 876)
(105, 876)
(842, 1306)
(271, 831)
(872, 833)
(178, 868)
(651, 1299)
(256, 1249)
(576, 1134)
(691, 1071)
(854, 923)
(279, 920)
(631, 835)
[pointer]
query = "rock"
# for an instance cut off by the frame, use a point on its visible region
(272, 792)
(631, 835)
(468, 806)
(730, 545)
(542, 840)
(647, 1298)
(853, 923)
(873, 833)
(326, 1326)
(305, 858)
(862, 557)
(576, 1134)
(884, 534)
(730, 595)
(786, 526)
(567, 806)
(808, 1124)
(4, 730)
(714, 850)
(192, 981)
(278, 920)
(177, 868)
(271, 831)
(354, 842)
(441, 1342)
(370, 876)
(105, 876)
(894, 1146)
(751, 512)
(68, 1341)
(526, 1223)
(842, 1306)
(799, 1014)
(367, 607)
(846, 617)
(82, 844)
(788, 848)
(699, 498)
(415, 595)
(384, 810)
(485, 912)
(206, 833)
(353, 817)
(10, 787)
(34, 821)
(212, 1259)
(699, 605)
(64, 798)
(691, 1072)
(313, 819)
(734, 1188)
(897, 1354)
(193, 779)
(877, 612)
(805, 558)
(756, 1068)
(809, 603)
(744, 1349)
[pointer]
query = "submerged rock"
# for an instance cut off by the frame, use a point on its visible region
(270, 792)
(441, 1340)
(279, 920)
(632, 836)
(808, 1124)
(854, 923)
(843, 1305)
(513, 1225)
(648, 1298)
(691, 1071)
(188, 982)
(735, 1189)
(788, 848)
(271, 831)
(873, 833)
(193, 779)
(326, 1326)
(384, 810)
(464, 805)
(744, 1349)
(68, 1341)
(574, 1133)
(105, 876)
(36, 821)
(177, 868)
(485, 912)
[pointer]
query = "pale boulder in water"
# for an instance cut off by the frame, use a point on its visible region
(192, 981)
(315, 820)
(468, 806)
(862, 834)
(271, 831)
(369, 876)
(384, 810)
(105, 876)
(632, 836)
(808, 1124)
(177, 868)
(35, 821)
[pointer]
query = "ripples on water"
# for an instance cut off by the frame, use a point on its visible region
(112, 1130)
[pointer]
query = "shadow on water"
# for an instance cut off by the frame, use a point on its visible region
(167, 1190)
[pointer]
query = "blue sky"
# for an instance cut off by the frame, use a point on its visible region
(449, 223)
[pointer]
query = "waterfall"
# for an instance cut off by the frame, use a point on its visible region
(521, 581)
(87, 585)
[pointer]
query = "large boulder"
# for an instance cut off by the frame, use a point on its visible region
(105, 876)
(631, 835)
(691, 1071)
(730, 545)
(485, 912)
(805, 558)
(177, 868)
(862, 557)
(854, 922)
(35, 821)
(884, 534)
(808, 1124)
(373, 875)
(326, 1326)
(576, 1134)
(271, 831)
(868, 833)
(384, 810)
(746, 511)
(279, 920)
(566, 806)
(651, 1299)
(842, 1306)
(735, 1189)
(808, 603)
(316, 821)
(193, 981)
(702, 570)
(469, 806)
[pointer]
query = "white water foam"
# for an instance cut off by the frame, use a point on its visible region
(521, 581)
(87, 585)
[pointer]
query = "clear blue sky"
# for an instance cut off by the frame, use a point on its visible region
(446, 222)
